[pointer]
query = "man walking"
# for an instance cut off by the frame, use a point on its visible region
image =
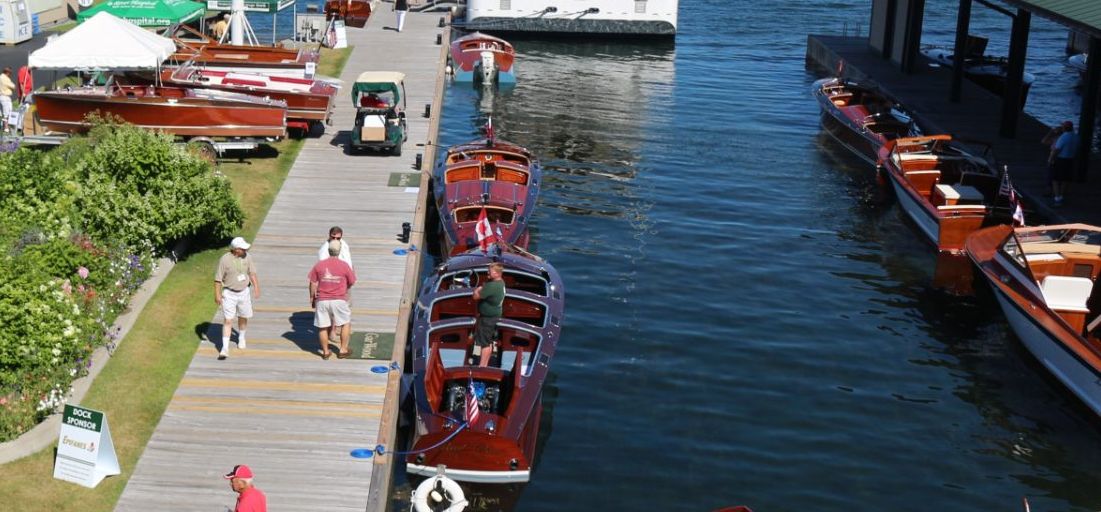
(7, 89)
(1061, 160)
(490, 297)
(401, 7)
(330, 280)
(336, 233)
(249, 498)
(235, 285)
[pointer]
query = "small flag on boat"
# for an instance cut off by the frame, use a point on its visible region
(472, 408)
(1006, 189)
(484, 231)
(489, 128)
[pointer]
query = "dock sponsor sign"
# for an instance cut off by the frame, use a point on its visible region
(85, 453)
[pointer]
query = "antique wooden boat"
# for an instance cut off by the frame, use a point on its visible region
(988, 71)
(1044, 280)
(946, 191)
(861, 118)
(355, 13)
(180, 111)
(501, 177)
(479, 57)
(196, 49)
(308, 100)
(498, 446)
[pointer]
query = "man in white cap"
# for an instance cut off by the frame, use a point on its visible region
(235, 277)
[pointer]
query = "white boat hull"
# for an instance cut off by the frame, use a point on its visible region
(916, 212)
(1080, 378)
(609, 17)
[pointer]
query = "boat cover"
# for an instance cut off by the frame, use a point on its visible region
(104, 42)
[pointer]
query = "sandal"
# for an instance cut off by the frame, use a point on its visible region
(344, 355)
(326, 355)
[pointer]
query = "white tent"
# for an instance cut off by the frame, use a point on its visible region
(104, 42)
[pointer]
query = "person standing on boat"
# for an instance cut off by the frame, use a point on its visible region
(1061, 160)
(7, 89)
(401, 7)
(235, 284)
(490, 298)
(330, 280)
(218, 28)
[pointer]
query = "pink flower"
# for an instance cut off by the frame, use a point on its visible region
(67, 287)
(4, 401)
(82, 272)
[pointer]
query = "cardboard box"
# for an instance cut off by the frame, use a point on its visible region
(374, 129)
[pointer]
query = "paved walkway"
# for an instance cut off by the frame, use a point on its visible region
(277, 406)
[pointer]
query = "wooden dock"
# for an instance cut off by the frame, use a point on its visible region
(976, 117)
(277, 406)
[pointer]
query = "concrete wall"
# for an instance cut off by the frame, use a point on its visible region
(877, 29)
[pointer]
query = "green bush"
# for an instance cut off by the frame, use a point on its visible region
(79, 229)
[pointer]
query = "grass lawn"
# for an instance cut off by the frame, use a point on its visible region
(136, 386)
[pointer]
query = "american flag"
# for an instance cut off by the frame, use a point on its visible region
(472, 409)
(489, 128)
(1006, 189)
(484, 231)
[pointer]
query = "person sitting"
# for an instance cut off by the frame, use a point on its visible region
(372, 100)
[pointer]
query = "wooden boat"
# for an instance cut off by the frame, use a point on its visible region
(180, 111)
(1044, 280)
(501, 177)
(308, 100)
(946, 191)
(988, 71)
(861, 118)
(499, 445)
(196, 49)
(479, 57)
(355, 13)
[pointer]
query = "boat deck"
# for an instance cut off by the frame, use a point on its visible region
(277, 406)
(976, 117)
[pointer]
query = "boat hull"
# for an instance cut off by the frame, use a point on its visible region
(860, 118)
(67, 112)
(482, 58)
(313, 103)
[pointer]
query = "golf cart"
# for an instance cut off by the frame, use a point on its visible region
(379, 98)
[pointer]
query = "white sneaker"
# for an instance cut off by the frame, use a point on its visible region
(241, 344)
(224, 353)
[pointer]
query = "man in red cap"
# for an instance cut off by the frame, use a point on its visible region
(249, 499)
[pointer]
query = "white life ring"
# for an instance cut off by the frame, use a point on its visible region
(426, 492)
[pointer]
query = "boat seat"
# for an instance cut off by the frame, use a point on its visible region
(1064, 293)
(923, 181)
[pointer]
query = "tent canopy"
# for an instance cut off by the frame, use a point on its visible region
(148, 13)
(104, 42)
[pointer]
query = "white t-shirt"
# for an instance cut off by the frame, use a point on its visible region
(345, 252)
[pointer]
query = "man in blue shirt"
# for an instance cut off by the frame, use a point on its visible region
(1062, 161)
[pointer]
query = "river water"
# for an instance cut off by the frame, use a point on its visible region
(749, 318)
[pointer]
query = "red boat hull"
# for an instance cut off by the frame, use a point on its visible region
(168, 109)
(355, 13)
(314, 101)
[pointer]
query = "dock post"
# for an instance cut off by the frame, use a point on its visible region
(1089, 110)
(1011, 96)
(963, 26)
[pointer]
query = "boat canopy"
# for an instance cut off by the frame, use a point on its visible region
(379, 82)
(104, 42)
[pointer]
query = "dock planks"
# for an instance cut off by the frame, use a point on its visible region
(277, 406)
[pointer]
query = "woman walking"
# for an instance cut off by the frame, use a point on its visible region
(401, 7)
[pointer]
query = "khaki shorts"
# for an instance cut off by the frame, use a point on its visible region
(236, 304)
(332, 312)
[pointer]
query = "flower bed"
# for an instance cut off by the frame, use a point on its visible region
(80, 227)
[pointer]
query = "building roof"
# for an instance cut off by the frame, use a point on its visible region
(1081, 15)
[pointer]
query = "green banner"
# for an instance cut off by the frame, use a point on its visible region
(82, 418)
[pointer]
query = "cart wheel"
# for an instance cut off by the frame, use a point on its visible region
(396, 150)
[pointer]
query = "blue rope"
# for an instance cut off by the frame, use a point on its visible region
(381, 450)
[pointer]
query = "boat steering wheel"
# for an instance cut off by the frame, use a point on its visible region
(465, 279)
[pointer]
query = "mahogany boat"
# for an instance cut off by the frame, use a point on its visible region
(1044, 280)
(988, 71)
(179, 111)
(498, 446)
(500, 177)
(197, 49)
(861, 118)
(308, 100)
(355, 13)
(482, 57)
(946, 191)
